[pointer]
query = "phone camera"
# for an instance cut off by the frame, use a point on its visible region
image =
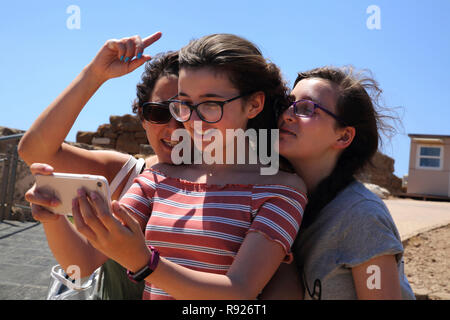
(99, 184)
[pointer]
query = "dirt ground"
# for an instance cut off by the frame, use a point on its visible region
(427, 264)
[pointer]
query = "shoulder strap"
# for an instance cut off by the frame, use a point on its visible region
(140, 164)
(122, 173)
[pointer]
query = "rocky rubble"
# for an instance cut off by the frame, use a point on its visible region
(381, 173)
(123, 133)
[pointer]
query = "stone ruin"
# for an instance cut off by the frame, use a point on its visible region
(125, 134)
(381, 174)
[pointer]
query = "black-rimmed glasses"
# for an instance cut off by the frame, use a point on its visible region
(305, 109)
(208, 111)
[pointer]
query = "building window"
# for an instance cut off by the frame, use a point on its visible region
(430, 157)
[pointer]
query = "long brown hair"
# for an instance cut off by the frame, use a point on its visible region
(357, 106)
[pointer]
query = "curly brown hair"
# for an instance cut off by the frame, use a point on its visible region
(162, 64)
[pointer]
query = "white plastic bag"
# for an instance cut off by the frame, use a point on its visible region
(62, 288)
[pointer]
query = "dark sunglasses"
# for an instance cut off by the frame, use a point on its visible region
(157, 112)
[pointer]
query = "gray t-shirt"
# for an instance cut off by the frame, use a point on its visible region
(353, 228)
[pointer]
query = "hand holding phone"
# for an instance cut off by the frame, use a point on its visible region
(64, 186)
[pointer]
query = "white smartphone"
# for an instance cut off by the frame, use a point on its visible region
(64, 186)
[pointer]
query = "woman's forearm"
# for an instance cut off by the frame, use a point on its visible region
(46, 135)
(187, 284)
(70, 248)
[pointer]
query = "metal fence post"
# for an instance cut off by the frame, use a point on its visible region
(9, 176)
(4, 187)
(12, 181)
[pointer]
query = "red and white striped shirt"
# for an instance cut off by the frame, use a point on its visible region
(202, 226)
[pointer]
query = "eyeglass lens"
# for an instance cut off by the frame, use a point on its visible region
(208, 111)
(304, 108)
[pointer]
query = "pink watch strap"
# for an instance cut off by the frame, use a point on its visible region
(147, 269)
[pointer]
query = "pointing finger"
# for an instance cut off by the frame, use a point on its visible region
(151, 39)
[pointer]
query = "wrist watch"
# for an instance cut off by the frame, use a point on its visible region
(147, 270)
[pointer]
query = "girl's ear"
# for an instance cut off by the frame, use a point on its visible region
(255, 104)
(345, 137)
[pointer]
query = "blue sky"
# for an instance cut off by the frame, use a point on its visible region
(409, 56)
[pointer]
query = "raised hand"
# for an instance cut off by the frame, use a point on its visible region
(119, 57)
